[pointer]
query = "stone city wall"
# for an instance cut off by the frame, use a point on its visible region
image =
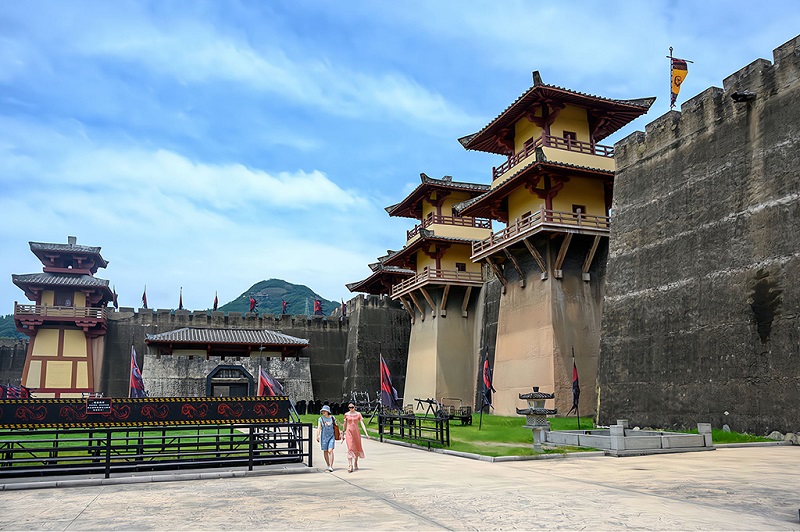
(701, 311)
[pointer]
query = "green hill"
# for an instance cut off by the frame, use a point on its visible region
(269, 294)
(8, 329)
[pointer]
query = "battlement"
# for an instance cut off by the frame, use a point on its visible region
(745, 90)
(166, 318)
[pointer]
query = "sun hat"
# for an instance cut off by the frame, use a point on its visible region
(325, 408)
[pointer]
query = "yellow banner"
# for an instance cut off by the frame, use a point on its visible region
(679, 71)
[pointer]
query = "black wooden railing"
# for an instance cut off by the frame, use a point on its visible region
(416, 429)
(106, 451)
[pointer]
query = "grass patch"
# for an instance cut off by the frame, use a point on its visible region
(719, 436)
(493, 436)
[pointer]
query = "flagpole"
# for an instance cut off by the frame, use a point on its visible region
(483, 394)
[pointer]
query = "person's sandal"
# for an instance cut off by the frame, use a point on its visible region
(349, 469)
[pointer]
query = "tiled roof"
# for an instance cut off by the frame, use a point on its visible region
(408, 206)
(58, 279)
(505, 187)
(426, 236)
(226, 336)
(38, 248)
(373, 284)
(623, 112)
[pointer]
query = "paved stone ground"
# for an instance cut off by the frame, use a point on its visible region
(752, 488)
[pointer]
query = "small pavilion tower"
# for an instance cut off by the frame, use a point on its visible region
(438, 285)
(554, 193)
(66, 322)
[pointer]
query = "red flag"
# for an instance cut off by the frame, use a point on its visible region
(487, 382)
(253, 303)
(317, 307)
(216, 301)
(144, 297)
(267, 385)
(180, 301)
(576, 388)
(114, 298)
(389, 397)
(137, 383)
(283, 306)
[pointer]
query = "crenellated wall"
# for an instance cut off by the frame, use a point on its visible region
(701, 312)
(377, 325)
(12, 360)
(339, 357)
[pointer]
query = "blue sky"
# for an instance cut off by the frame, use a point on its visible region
(211, 145)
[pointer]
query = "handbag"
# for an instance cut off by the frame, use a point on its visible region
(336, 433)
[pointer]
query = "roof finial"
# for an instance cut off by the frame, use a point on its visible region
(537, 78)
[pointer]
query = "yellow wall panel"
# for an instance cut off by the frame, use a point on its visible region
(59, 374)
(48, 296)
(34, 374)
(45, 344)
(74, 343)
(80, 299)
(581, 191)
(82, 379)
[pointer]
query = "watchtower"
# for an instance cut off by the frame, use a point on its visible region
(554, 193)
(66, 322)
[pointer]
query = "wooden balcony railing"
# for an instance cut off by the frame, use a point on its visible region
(460, 221)
(543, 219)
(551, 141)
(49, 311)
(437, 275)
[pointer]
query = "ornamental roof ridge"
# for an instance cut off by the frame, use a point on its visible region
(64, 247)
(222, 336)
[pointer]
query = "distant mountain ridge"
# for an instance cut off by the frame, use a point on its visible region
(269, 294)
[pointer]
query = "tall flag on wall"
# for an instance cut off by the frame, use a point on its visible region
(216, 301)
(283, 306)
(487, 383)
(253, 303)
(144, 297)
(114, 298)
(576, 388)
(317, 307)
(388, 393)
(678, 71)
(137, 383)
(180, 301)
(344, 309)
(267, 385)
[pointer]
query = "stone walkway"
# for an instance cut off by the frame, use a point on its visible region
(750, 488)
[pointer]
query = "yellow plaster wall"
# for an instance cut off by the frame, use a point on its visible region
(34, 379)
(45, 344)
(80, 299)
(524, 129)
(581, 191)
(573, 119)
(421, 368)
(424, 260)
(452, 199)
(82, 377)
(74, 344)
(520, 201)
(59, 374)
(460, 254)
(460, 231)
(579, 159)
(48, 296)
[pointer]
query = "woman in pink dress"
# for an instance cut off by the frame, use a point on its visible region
(353, 437)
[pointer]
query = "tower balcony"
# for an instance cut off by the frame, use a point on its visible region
(583, 153)
(433, 276)
(29, 317)
(537, 222)
(456, 221)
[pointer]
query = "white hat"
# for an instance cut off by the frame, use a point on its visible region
(325, 408)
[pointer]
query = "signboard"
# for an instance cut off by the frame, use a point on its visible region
(150, 411)
(98, 405)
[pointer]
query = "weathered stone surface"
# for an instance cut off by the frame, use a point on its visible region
(701, 310)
